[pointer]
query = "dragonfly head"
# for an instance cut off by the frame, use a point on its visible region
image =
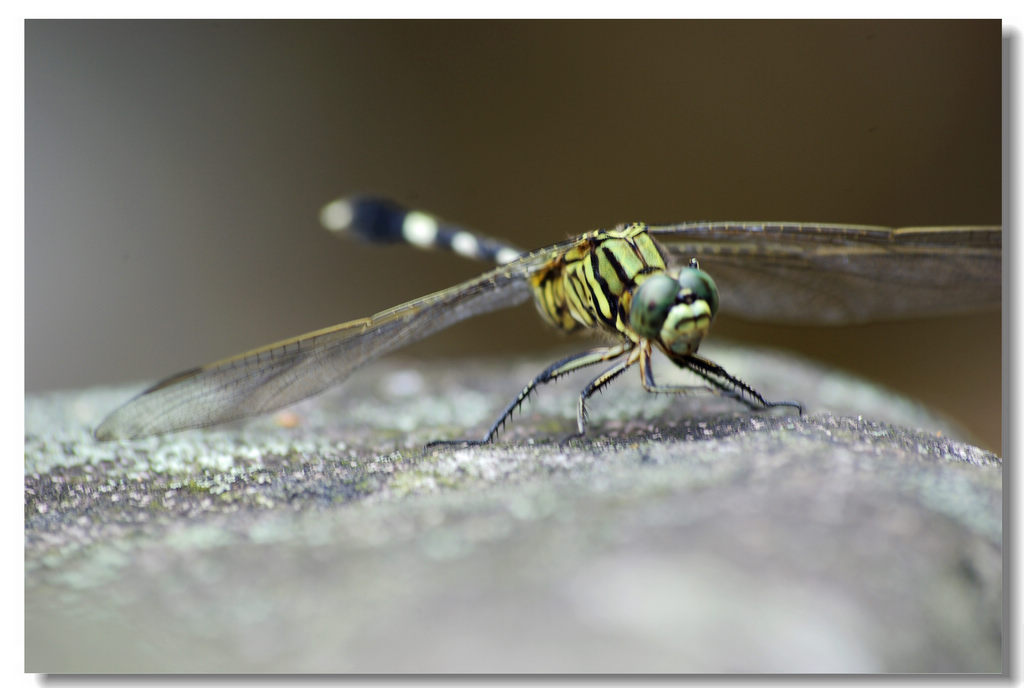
(675, 310)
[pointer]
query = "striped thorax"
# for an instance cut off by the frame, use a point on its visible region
(591, 283)
(617, 279)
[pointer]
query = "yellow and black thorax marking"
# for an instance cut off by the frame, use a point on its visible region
(592, 282)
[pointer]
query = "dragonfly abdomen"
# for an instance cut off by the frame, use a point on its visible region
(383, 221)
(591, 283)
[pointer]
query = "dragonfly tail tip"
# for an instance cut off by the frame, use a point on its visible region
(337, 215)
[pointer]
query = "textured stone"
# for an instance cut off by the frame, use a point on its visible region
(681, 535)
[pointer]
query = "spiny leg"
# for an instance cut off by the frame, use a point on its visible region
(552, 372)
(595, 385)
(647, 378)
(731, 386)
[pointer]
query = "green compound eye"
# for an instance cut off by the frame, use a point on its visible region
(651, 304)
(659, 294)
(700, 284)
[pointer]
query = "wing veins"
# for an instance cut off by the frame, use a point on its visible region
(289, 370)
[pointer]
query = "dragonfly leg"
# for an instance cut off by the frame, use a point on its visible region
(727, 385)
(595, 385)
(552, 372)
(647, 380)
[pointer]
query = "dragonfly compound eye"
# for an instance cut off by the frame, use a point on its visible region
(700, 286)
(690, 316)
(675, 311)
(651, 304)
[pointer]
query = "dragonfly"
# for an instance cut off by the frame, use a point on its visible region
(648, 287)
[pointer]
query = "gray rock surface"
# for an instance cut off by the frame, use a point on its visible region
(682, 535)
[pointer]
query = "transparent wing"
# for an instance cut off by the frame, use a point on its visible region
(840, 274)
(285, 372)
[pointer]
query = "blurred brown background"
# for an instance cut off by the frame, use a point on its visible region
(175, 169)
